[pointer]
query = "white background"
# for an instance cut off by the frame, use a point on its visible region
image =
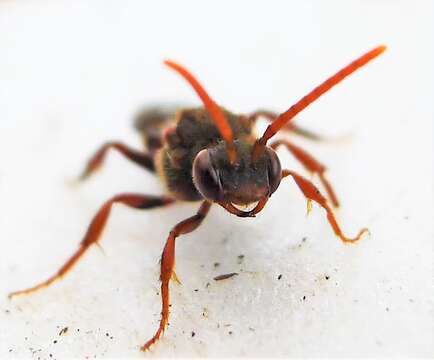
(72, 75)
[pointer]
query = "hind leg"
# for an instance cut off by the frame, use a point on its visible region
(289, 127)
(152, 121)
(140, 158)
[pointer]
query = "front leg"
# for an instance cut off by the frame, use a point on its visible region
(310, 164)
(313, 194)
(167, 265)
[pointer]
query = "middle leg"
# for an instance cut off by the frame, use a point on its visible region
(95, 229)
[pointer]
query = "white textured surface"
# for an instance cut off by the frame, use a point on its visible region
(71, 76)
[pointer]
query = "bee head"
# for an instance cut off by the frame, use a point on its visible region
(237, 186)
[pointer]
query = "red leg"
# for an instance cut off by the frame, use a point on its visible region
(167, 265)
(311, 164)
(135, 156)
(312, 193)
(289, 127)
(94, 231)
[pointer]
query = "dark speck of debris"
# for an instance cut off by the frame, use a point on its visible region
(196, 290)
(55, 342)
(327, 277)
(279, 277)
(251, 329)
(304, 297)
(207, 285)
(387, 309)
(63, 331)
(216, 264)
(107, 334)
(304, 239)
(7, 311)
(240, 258)
(193, 333)
(230, 332)
(51, 355)
(225, 276)
(10, 350)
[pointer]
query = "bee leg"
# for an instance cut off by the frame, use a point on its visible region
(312, 193)
(289, 127)
(94, 231)
(311, 164)
(167, 263)
(138, 157)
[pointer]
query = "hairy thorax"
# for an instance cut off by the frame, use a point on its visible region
(193, 130)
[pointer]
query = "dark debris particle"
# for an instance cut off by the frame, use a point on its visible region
(387, 309)
(51, 355)
(304, 239)
(10, 350)
(207, 285)
(7, 311)
(196, 290)
(251, 329)
(63, 331)
(304, 297)
(279, 277)
(216, 264)
(240, 258)
(327, 277)
(193, 334)
(225, 276)
(55, 342)
(230, 333)
(107, 334)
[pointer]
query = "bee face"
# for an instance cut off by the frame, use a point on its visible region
(240, 184)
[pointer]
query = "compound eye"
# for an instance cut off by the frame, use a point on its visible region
(206, 178)
(274, 170)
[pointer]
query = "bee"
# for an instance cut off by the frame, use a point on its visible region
(210, 155)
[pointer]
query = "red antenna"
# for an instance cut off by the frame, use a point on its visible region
(305, 101)
(214, 110)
